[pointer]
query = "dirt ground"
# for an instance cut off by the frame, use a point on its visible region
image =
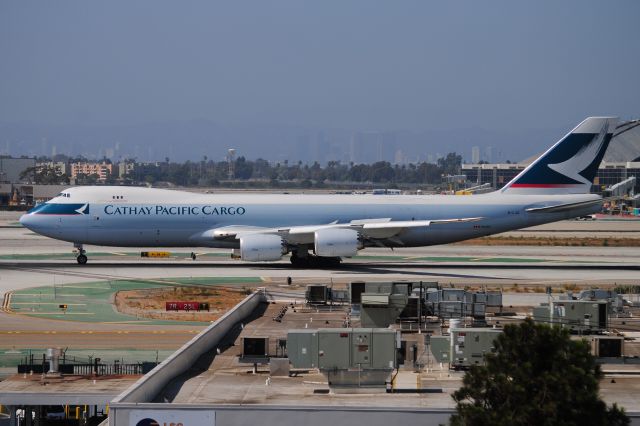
(549, 241)
(151, 303)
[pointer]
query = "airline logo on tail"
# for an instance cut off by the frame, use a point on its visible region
(569, 166)
(580, 162)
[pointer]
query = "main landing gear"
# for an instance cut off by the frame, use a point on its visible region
(307, 260)
(82, 254)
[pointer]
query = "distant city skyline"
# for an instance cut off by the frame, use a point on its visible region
(299, 80)
(192, 141)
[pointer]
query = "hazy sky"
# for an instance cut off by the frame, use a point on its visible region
(378, 65)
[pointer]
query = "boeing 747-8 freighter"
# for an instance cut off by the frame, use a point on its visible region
(321, 229)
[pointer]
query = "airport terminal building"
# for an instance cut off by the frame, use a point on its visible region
(498, 175)
(621, 161)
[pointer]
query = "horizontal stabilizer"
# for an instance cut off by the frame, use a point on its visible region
(564, 207)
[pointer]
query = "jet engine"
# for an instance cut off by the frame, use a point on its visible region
(335, 242)
(259, 247)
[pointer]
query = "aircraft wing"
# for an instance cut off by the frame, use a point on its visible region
(375, 229)
(233, 232)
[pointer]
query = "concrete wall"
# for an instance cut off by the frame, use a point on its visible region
(251, 415)
(278, 415)
(145, 389)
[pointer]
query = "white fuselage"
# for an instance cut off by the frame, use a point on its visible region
(147, 217)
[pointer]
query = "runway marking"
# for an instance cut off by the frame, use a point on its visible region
(266, 279)
(48, 303)
(56, 313)
(47, 294)
(6, 303)
(29, 294)
(99, 332)
(85, 287)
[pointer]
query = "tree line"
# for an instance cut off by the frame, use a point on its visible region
(261, 172)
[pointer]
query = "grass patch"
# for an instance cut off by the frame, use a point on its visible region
(92, 302)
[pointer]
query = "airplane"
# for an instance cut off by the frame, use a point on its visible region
(319, 230)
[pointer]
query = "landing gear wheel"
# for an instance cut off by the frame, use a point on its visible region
(330, 261)
(299, 262)
(82, 259)
(313, 262)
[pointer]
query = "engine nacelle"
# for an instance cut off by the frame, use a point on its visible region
(334, 242)
(259, 247)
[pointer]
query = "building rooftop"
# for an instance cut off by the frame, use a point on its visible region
(224, 380)
(68, 389)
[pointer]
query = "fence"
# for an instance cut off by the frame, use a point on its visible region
(97, 369)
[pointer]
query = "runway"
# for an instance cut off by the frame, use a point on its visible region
(28, 260)
(22, 274)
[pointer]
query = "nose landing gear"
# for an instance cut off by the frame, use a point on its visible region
(82, 254)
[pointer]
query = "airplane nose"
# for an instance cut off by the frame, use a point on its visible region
(28, 221)
(24, 220)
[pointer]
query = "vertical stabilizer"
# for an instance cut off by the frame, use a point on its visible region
(569, 166)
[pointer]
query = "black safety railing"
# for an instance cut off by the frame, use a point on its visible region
(93, 369)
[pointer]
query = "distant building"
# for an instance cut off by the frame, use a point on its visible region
(59, 167)
(390, 146)
(103, 170)
(399, 157)
(475, 154)
(611, 173)
(11, 170)
(365, 147)
(125, 167)
(318, 148)
(498, 175)
(23, 196)
(488, 154)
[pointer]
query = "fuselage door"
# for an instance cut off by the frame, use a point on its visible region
(97, 227)
(97, 220)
